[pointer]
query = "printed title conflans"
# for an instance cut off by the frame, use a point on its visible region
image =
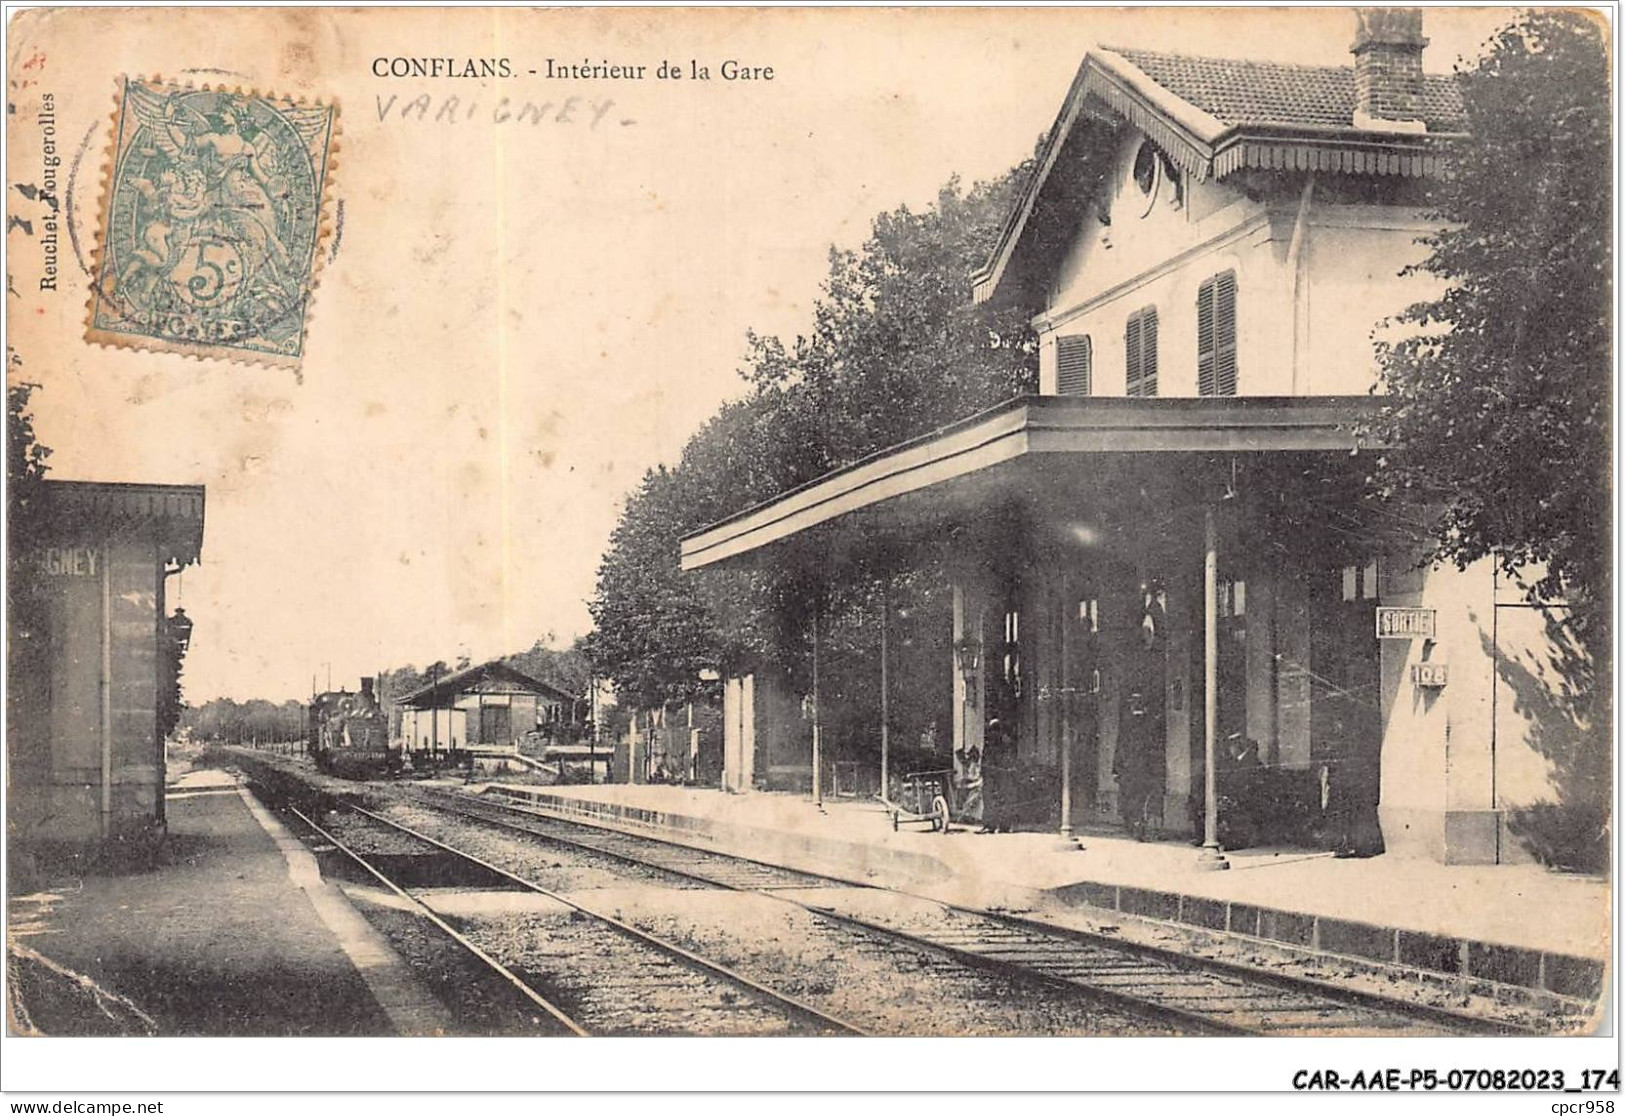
(585, 70)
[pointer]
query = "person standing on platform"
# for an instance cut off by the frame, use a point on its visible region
(1140, 762)
(1350, 789)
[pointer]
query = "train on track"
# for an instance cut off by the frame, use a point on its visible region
(348, 733)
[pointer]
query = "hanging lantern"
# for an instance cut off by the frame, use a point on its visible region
(180, 630)
(969, 653)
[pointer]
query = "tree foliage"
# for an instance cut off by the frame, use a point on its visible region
(897, 348)
(1499, 391)
(564, 667)
(171, 692)
(232, 722)
(25, 479)
(25, 456)
(25, 475)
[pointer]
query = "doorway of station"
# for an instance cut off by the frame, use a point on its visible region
(1231, 671)
(1081, 670)
(1345, 706)
(1110, 679)
(496, 725)
(1255, 799)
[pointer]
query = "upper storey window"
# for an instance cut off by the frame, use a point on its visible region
(1074, 363)
(1140, 345)
(1216, 336)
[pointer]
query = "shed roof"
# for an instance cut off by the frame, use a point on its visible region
(445, 690)
(169, 514)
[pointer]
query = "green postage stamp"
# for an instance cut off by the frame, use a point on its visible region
(211, 222)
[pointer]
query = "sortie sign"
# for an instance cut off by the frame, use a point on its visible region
(1405, 623)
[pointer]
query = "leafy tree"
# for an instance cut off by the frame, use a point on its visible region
(897, 349)
(25, 456)
(230, 722)
(27, 671)
(567, 667)
(171, 695)
(1499, 391)
(653, 632)
(25, 476)
(1497, 398)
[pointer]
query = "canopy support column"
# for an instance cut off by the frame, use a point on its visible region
(970, 723)
(885, 691)
(817, 714)
(1211, 856)
(1068, 839)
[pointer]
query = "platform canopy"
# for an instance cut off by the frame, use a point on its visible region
(171, 515)
(1052, 453)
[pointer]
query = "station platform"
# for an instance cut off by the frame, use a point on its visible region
(1520, 926)
(233, 932)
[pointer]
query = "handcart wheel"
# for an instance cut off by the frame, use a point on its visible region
(939, 814)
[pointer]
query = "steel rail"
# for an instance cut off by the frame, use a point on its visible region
(509, 806)
(1409, 1011)
(796, 1006)
(423, 909)
(1008, 970)
(1351, 996)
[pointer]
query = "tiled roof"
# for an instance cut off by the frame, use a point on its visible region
(1245, 94)
(1216, 116)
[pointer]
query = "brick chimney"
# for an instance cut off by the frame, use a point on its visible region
(1387, 51)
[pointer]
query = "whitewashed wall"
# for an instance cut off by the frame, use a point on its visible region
(1304, 320)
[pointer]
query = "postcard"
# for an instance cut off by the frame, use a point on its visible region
(943, 523)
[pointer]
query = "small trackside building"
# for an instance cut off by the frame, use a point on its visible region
(93, 654)
(1212, 242)
(487, 706)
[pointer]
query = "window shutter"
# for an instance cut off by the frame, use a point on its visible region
(1224, 329)
(1141, 346)
(1073, 362)
(1204, 340)
(1216, 336)
(1131, 346)
(1148, 357)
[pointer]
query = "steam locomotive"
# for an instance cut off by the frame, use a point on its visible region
(349, 733)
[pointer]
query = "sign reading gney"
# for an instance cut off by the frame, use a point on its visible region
(1405, 623)
(211, 222)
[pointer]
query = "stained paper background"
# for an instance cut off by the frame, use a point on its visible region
(514, 320)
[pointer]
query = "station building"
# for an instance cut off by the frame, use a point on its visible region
(1212, 242)
(93, 652)
(491, 705)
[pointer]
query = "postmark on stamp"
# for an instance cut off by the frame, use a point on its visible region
(211, 221)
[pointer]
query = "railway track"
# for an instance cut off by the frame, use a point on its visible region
(1193, 994)
(586, 981)
(516, 984)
